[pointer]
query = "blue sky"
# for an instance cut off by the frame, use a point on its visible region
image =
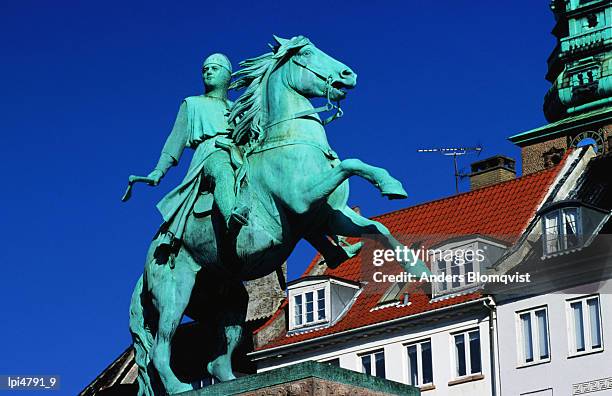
(90, 91)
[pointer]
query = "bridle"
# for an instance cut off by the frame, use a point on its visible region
(329, 106)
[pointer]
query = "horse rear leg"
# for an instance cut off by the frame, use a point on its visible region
(335, 250)
(347, 222)
(230, 323)
(171, 289)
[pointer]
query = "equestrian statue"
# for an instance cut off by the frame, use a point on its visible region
(262, 177)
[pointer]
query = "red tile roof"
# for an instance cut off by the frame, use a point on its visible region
(501, 211)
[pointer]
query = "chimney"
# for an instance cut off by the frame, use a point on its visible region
(406, 299)
(491, 171)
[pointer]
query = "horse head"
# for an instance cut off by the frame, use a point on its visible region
(311, 72)
(280, 83)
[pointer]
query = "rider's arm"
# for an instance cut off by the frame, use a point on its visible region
(175, 144)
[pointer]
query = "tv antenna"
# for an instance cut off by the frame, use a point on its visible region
(454, 152)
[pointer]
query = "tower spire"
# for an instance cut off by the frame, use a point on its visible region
(578, 106)
(580, 66)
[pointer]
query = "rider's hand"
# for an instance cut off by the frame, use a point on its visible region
(156, 176)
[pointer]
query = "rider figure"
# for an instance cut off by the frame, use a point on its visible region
(201, 120)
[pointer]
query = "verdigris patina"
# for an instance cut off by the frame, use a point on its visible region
(200, 123)
(294, 186)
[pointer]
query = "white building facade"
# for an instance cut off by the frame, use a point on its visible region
(562, 350)
(446, 352)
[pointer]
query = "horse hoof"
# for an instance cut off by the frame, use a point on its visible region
(345, 253)
(393, 190)
(220, 371)
(353, 249)
(182, 387)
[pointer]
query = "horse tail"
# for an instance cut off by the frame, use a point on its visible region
(142, 338)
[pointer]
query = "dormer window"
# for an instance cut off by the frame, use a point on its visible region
(318, 301)
(570, 225)
(455, 264)
(561, 230)
(309, 307)
(455, 267)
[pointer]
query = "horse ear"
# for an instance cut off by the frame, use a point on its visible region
(280, 41)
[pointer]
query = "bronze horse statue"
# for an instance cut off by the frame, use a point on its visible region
(295, 186)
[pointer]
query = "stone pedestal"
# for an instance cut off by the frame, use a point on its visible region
(308, 379)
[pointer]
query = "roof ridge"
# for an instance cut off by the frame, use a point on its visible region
(466, 193)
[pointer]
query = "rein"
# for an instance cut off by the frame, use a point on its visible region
(329, 106)
(271, 145)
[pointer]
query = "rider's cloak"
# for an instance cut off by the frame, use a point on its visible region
(200, 121)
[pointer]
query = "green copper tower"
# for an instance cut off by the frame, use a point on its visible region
(578, 105)
(580, 67)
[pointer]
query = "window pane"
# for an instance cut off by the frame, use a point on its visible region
(442, 271)
(380, 364)
(469, 268)
(578, 325)
(542, 333)
(321, 304)
(569, 227)
(527, 339)
(455, 272)
(366, 364)
(460, 355)
(594, 322)
(427, 363)
(552, 233)
(413, 370)
(297, 309)
(309, 307)
(475, 352)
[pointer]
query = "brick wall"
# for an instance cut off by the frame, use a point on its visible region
(490, 177)
(533, 155)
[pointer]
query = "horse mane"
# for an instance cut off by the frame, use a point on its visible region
(248, 114)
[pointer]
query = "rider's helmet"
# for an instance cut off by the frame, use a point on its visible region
(220, 60)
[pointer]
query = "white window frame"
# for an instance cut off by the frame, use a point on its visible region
(535, 337)
(560, 235)
(419, 351)
(472, 245)
(314, 289)
(372, 354)
(586, 321)
(468, 360)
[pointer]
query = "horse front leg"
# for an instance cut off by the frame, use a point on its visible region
(171, 289)
(325, 183)
(347, 222)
